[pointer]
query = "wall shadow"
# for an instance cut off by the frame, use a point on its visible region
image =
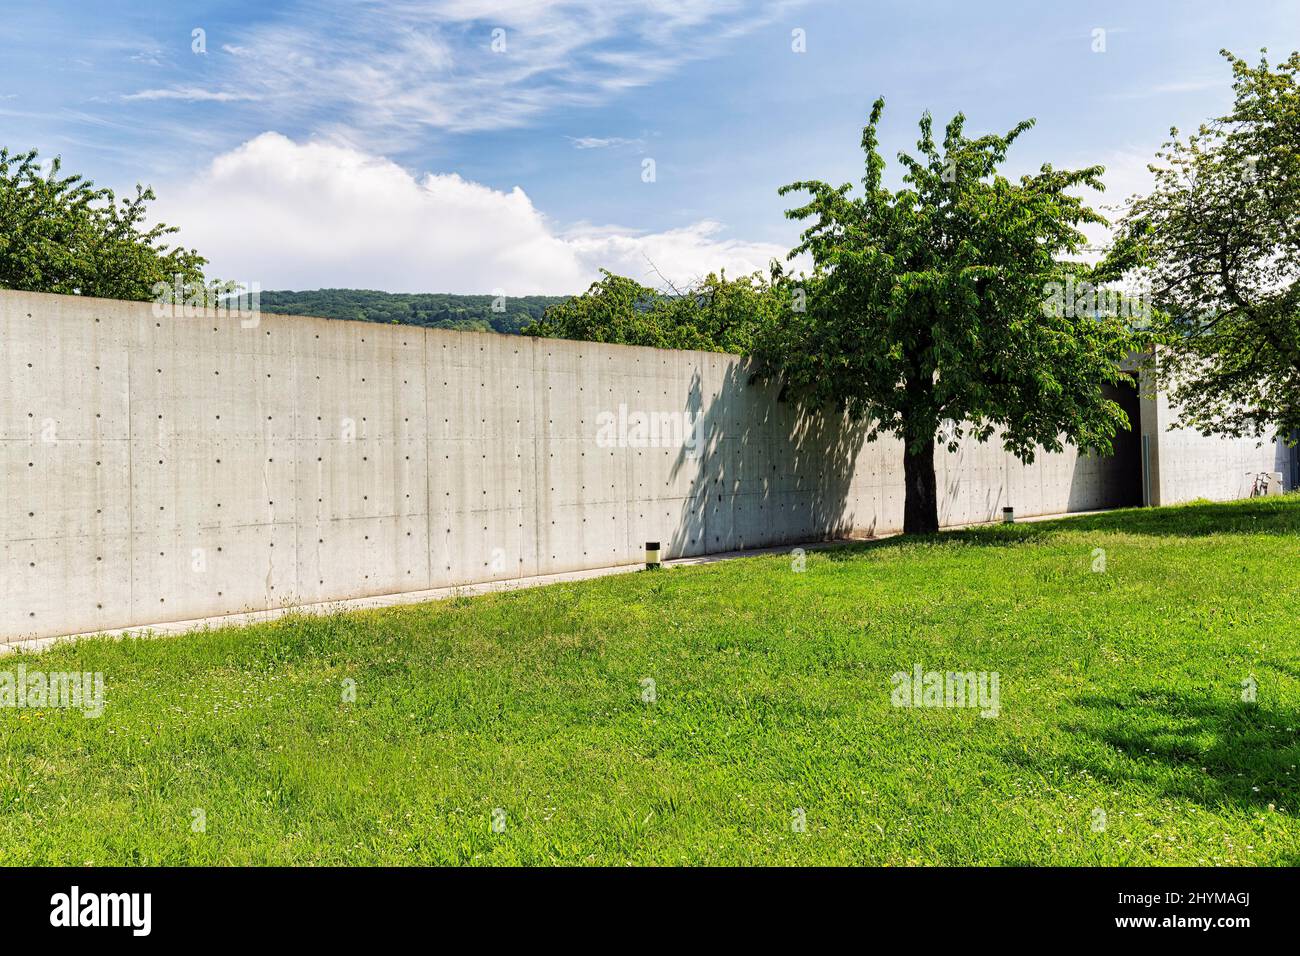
(1258, 516)
(1276, 515)
(767, 473)
(1287, 461)
(1211, 751)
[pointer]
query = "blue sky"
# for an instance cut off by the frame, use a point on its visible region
(388, 144)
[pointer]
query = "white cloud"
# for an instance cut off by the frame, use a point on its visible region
(1196, 85)
(1126, 175)
(311, 215)
(604, 142)
(386, 70)
(191, 94)
(677, 255)
(152, 57)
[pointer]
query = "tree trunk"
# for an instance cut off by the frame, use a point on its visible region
(921, 498)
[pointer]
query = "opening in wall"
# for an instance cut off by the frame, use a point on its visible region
(1125, 469)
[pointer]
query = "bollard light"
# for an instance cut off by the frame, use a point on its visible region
(1008, 515)
(651, 555)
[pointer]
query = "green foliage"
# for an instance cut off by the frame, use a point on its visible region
(1218, 240)
(715, 315)
(61, 234)
(927, 305)
(1120, 690)
(469, 313)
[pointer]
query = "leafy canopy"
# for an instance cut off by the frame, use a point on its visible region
(926, 304)
(1218, 241)
(716, 314)
(61, 234)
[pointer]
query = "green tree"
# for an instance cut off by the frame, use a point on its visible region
(61, 234)
(926, 306)
(715, 315)
(1218, 240)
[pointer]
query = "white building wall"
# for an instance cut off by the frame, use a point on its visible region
(166, 469)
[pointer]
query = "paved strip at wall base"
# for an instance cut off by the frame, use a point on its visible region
(174, 468)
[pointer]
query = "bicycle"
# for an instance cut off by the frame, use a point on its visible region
(1261, 483)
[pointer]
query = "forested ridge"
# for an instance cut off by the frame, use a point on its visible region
(433, 309)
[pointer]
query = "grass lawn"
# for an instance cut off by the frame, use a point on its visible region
(1121, 691)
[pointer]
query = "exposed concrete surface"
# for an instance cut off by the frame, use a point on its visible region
(1186, 465)
(176, 469)
(37, 644)
(33, 645)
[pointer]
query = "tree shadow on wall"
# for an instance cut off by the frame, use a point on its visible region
(764, 473)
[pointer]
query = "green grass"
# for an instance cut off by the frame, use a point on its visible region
(1120, 691)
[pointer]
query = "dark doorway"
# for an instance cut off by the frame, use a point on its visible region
(1295, 461)
(1124, 468)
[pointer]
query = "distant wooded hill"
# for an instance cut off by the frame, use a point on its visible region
(435, 310)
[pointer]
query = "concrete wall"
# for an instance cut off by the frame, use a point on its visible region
(1185, 465)
(164, 469)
